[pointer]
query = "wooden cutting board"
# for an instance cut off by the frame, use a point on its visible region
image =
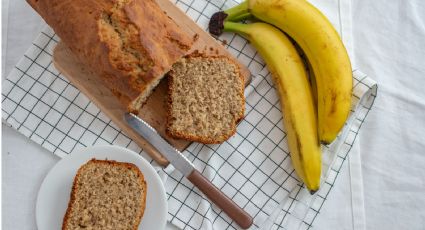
(154, 111)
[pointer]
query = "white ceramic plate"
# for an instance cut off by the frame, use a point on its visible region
(55, 190)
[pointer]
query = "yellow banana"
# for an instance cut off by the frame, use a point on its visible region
(324, 49)
(290, 78)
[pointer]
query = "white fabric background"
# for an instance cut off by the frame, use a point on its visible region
(389, 37)
(389, 46)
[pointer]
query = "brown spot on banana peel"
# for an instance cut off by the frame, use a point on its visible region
(333, 96)
(278, 4)
(299, 146)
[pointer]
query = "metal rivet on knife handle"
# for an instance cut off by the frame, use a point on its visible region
(237, 214)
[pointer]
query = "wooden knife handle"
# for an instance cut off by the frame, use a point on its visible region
(237, 214)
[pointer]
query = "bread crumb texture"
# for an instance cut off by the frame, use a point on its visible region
(106, 195)
(206, 99)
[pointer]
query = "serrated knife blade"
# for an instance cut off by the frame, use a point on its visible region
(174, 156)
(181, 163)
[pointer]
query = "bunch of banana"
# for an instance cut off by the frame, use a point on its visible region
(327, 57)
(324, 50)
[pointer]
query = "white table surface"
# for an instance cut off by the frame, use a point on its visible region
(389, 41)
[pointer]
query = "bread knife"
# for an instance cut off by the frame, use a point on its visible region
(181, 163)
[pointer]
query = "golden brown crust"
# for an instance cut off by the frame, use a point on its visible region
(131, 166)
(71, 200)
(201, 139)
(189, 136)
(158, 40)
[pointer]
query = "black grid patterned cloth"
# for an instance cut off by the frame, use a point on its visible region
(253, 167)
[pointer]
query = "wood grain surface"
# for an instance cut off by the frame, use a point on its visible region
(154, 111)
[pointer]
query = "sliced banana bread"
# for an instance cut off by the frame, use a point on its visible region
(128, 44)
(106, 195)
(206, 98)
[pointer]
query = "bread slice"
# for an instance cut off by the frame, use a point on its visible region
(106, 195)
(206, 98)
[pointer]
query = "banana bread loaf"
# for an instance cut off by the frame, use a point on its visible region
(129, 44)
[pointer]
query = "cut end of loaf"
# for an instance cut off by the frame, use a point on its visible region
(205, 99)
(106, 195)
(137, 104)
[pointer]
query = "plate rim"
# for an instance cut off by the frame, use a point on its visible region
(77, 152)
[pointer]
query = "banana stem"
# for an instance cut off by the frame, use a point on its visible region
(238, 13)
(240, 17)
(242, 29)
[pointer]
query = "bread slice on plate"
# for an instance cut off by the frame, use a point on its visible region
(206, 98)
(106, 195)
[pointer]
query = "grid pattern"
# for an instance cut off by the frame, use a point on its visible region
(43, 105)
(253, 167)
